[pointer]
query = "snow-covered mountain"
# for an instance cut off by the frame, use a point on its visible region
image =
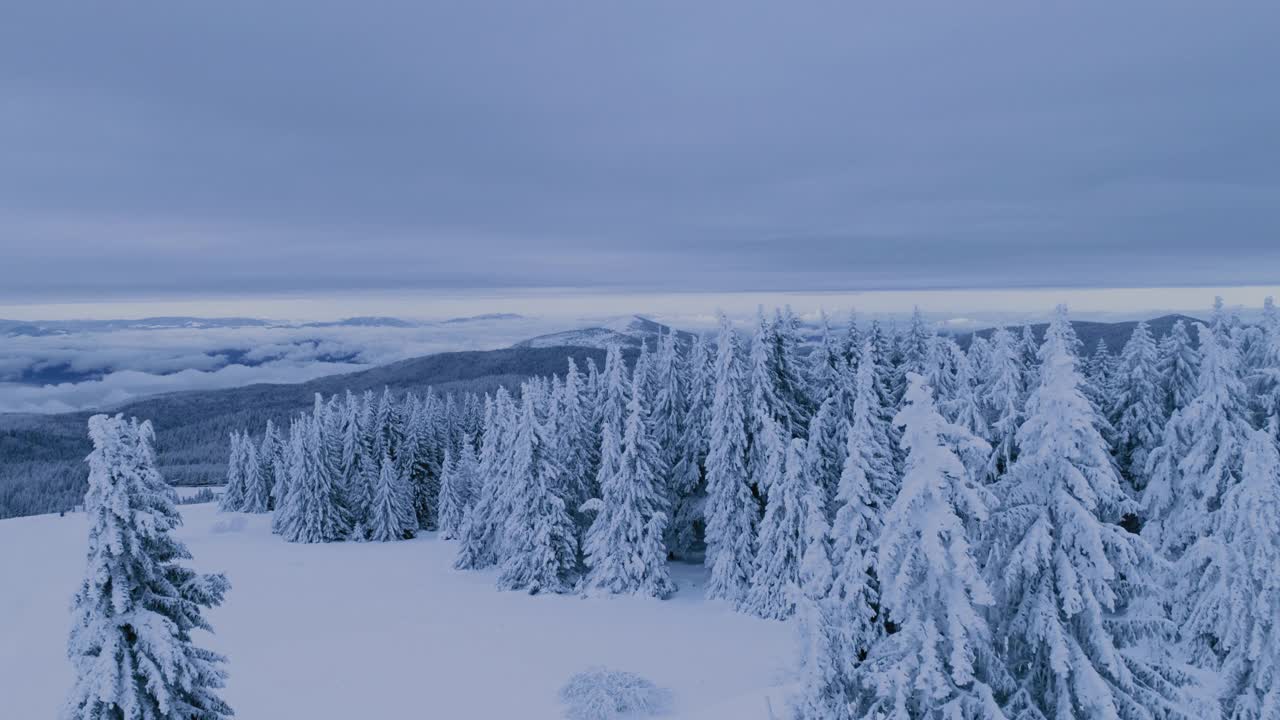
(384, 630)
(628, 332)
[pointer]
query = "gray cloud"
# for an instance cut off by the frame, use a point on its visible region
(237, 147)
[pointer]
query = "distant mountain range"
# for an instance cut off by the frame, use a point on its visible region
(628, 333)
(1115, 334)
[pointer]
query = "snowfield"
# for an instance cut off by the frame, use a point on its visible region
(383, 630)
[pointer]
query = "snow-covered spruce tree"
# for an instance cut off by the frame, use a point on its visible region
(851, 343)
(1179, 367)
(611, 411)
(257, 494)
(764, 407)
(1070, 583)
(1004, 394)
(540, 545)
(415, 457)
(233, 496)
(1101, 370)
(1265, 381)
(314, 512)
(1137, 405)
(688, 490)
(1235, 571)
(1029, 351)
(133, 615)
(826, 371)
(1209, 433)
(452, 502)
(666, 415)
(941, 663)
(915, 348)
(455, 491)
(784, 538)
(575, 442)
(827, 446)
(793, 385)
(482, 524)
(965, 406)
(941, 368)
(824, 692)
(868, 486)
(625, 552)
(280, 516)
(271, 461)
(882, 374)
(979, 355)
(392, 516)
(732, 511)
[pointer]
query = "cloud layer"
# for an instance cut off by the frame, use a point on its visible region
(234, 147)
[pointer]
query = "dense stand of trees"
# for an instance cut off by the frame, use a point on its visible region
(1017, 529)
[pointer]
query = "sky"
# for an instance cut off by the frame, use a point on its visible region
(307, 147)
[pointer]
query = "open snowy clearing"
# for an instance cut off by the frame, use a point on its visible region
(377, 630)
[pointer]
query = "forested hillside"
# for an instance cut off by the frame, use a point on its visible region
(42, 456)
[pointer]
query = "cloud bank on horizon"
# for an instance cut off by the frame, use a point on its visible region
(239, 148)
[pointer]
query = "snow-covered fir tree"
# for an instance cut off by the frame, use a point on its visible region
(1004, 394)
(941, 368)
(784, 537)
(979, 354)
(1209, 433)
(458, 487)
(1101, 370)
(257, 493)
(482, 524)
(868, 485)
(1179, 367)
(1234, 571)
(827, 446)
(132, 619)
(1229, 578)
(575, 442)
(1029, 349)
(540, 546)
(824, 692)
(790, 371)
(732, 511)
(942, 662)
(765, 408)
(233, 494)
(312, 511)
(1070, 583)
(851, 343)
(826, 371)
(615, 393)
(271, 461)
(666, 415)
(625, 551)
(965, 407)
(392, 516)
(915, 347)
(1137, 405)
(688, 488)
(1265, 380)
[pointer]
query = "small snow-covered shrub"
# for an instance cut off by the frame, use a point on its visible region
(229, 525)
(602, 694)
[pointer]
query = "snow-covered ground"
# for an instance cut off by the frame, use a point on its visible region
(373, 630)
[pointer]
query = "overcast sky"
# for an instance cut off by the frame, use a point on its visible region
(240, 147)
